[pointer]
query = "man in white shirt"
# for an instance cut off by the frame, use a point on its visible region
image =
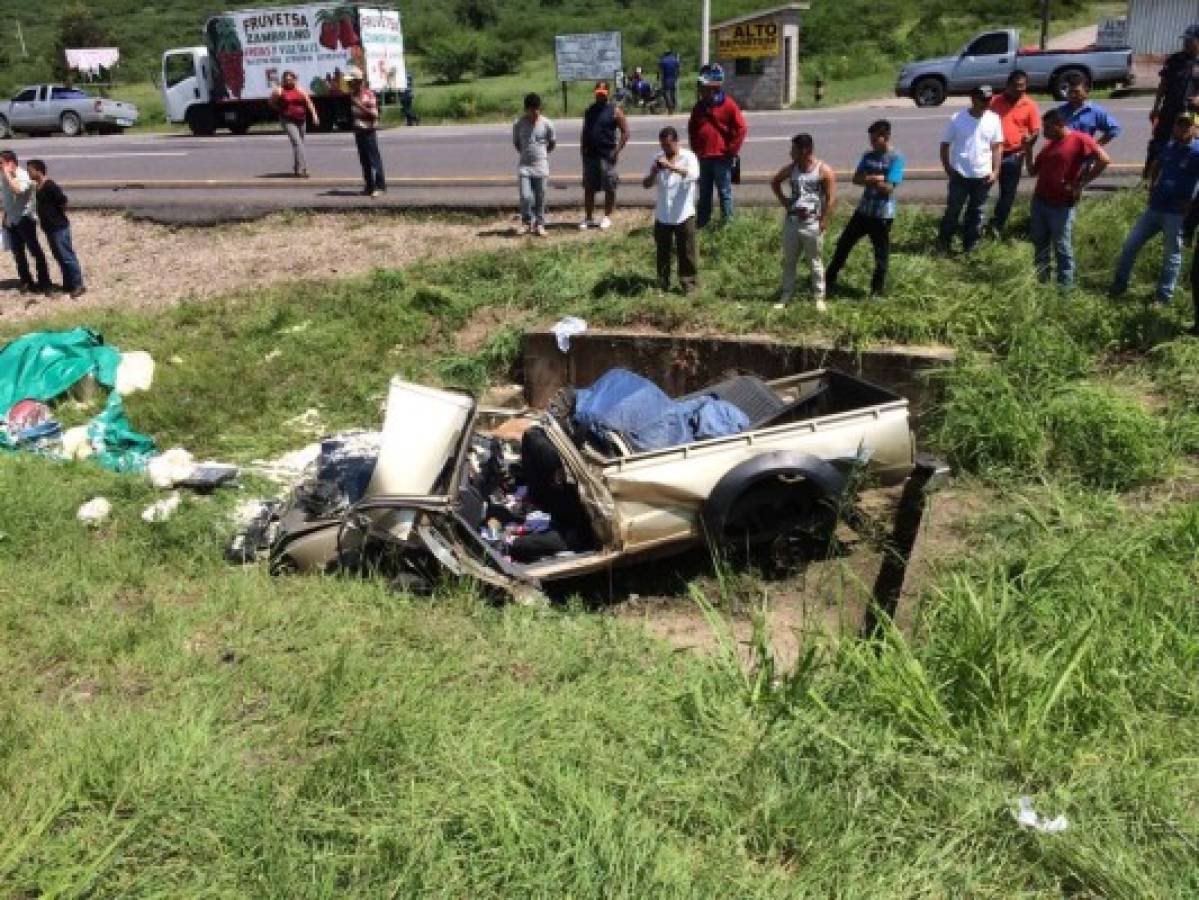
(971, 154)
(19, 196)
(675, 171)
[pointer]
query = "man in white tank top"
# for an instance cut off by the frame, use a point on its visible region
(809, 208)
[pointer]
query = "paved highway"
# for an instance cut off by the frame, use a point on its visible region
(468, 165)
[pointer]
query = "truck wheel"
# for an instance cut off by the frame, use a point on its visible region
(929, 92)
(200, 122)
(1061, 81)
(72, 125)
(777, 508)
(5, 131)
(239, 127)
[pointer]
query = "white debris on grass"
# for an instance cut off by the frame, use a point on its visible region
(1027, 817)
(291, 468)
(273, 355)
(135, 372)
(307, 422)
(168, 469)
(567, 328)
(244, 514)
(298, 328)
(76, 444)
(94, 512)
(161, 510)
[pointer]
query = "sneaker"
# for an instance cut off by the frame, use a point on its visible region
(605, 223)
(587, 223)
(78, 292)
(377, 192)
(821, 306)
(526, 227)
(539, 230)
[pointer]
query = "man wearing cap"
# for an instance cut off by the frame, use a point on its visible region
(1021, 121)
(716, 131)
(1070, 161)
(364, 120)
(1177, 92)
(605, 133)
(1080, 114)
(1172, 180)
(971, 154)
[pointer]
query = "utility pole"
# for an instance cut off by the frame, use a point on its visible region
(705, 29)
(1044, 23)
(21, 38)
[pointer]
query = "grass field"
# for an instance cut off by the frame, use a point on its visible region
(170, 726)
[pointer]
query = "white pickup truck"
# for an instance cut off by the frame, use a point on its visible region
(47, 108)
(423, 501)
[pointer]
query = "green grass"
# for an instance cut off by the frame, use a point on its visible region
(170, 726)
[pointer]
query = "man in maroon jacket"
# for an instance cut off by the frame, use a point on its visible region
(716, 130)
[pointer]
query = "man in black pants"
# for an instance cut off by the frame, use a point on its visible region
(879, 172)
(19, 197)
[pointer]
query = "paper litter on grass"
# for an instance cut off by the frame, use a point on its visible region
(1027, 817)
(94, 512)
(161, 510)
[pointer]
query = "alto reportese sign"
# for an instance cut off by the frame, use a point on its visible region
(588, 57)
(749, 39)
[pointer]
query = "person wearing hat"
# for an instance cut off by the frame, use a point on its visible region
(1173, 177)
(605, 134)
(364, 119)
(1177, 92)
(971, 154)
(716, 131)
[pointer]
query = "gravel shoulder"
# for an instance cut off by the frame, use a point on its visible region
(135, 265)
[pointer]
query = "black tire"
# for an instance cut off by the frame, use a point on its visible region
(5, 131)
(928, 91)
(200, 122)
(71, 124)
(774, 508)
(239, 128)
(1062, 79)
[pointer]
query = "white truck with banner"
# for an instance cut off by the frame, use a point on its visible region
(227, 82)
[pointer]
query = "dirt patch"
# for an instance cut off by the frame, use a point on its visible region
(141, 265)
(827, 599)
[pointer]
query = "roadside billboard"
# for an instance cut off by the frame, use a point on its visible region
(588, 57)
(383, 49)
(748, 40)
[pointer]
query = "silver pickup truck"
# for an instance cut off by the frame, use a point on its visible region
(422, 501)
(47, 108)
(989, 58)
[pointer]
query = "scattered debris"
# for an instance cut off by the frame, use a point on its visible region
(504, 396)
(273, 355)
(161, 510)
(1027, 817)
(567, 328)
(94, 512)
(307, 422)
(298, 328)
(168, 469)
(134, 373)
(76, 444)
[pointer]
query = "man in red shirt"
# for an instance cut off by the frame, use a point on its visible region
(1070, 161)
(716, 130)
(1021, 121)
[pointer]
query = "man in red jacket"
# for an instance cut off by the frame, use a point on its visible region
(716, 131)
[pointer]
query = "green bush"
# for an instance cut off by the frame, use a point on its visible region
(1105, 439)
(987, 422)
(499, 58)
(449, 60)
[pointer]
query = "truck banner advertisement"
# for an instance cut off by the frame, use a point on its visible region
(383, 45)
(254, 48)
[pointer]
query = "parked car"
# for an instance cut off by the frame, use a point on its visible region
(423, 505)
(47, 108)
(989, 58)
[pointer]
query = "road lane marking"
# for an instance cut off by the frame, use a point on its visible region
(114, 155)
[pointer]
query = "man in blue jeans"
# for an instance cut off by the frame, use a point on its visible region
(20, 221)
(971, 154)
(52, 213)
(1069, 162)
(716, 130)
(1173, 175)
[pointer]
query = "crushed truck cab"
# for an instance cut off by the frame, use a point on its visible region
(427, 504)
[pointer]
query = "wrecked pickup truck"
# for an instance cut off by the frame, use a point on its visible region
(519, 499)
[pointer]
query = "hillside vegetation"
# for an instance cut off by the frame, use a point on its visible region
(845, 38)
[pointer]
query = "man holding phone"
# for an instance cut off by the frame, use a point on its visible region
(675, 172)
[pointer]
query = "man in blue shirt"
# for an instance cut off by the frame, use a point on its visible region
(1080, 114)
(668, 77)
(879, 172)
(1172, 179)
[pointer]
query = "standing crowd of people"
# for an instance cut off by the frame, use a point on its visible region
(989, 145)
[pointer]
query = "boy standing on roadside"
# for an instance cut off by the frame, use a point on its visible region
(675, 171)
(20, 221)
(534, 138)
(809, 208)
(879, 172)
(52, 213)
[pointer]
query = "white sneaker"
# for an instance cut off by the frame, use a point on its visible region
(586, 223)
(821, 306)
(539, 230)
(605, 223)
